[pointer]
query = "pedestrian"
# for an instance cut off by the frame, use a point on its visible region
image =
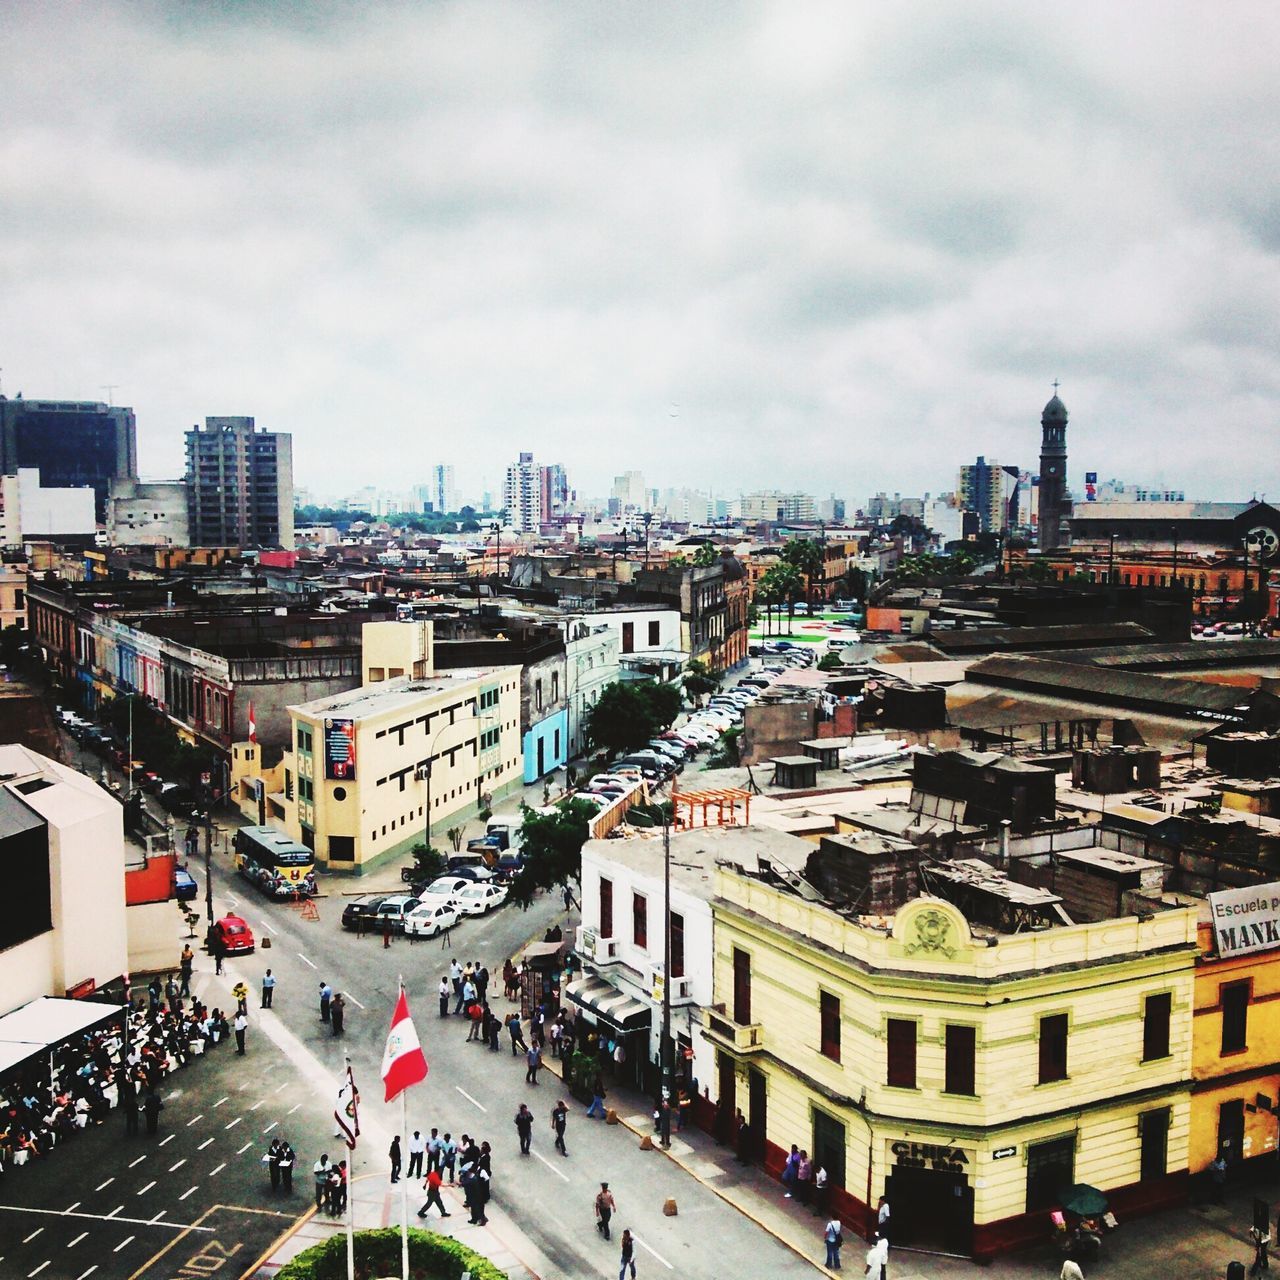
(268, 988)
(455, 976)
(482, 982)
(510, 980)
(393, 1153)
(834, 1238)
(569, 901)
(604, 1209)
(803, 1182)
(241, 994)
(789, 1167)
(193, 841)
(128, 1095)
(333, 1191)
(241, 1025)
(320, 1172)
(1070, 1271)
(448, 1154)
(152, 1107)
(219, 954)
(475, 1013)
(628, 1255)
(185, 963)
(597, 1097)
(524, 1127)
(877, 1256)
(417, 1148)
(534, 1058)
(518, 1045)
(1218, 1177)
(288, 1157)
(882, 1217)
(820, 1191)
(272, 1159)
(337, 1013)
(342, 1186)
(495, 1029)
(1261, 1239)
(444, 997)
(559, 1119)
(744, 1138)
(432, 1186)
(326, 997)
(173, 996)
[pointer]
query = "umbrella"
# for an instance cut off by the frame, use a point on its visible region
(1084, 1201)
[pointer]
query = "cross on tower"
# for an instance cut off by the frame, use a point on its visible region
(1055, 386)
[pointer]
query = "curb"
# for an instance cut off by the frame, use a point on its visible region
(278, 1244)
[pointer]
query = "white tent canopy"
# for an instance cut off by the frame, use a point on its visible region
(45, 1022)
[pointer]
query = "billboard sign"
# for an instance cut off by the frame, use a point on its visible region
(1246, 920)
(340, 750)
(1091, 486)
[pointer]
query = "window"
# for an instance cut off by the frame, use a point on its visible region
(555, 685)
(961, 1054)
(902, 1054)
(288, 784)
(1153, 1130)
(628, 637)
(741, 987)
(1155, 1026)
(606, 908)
(342, 849)
(1053, 1048)
(829, 1013)
(639, 920)
(1234, 998)
(655, 634)
(537, 694)
(677, 945)
(1050, 1168)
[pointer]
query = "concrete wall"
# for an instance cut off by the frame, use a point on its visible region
(147, 515)
(156, 932)
(552, 734)
(390, 650)
(775, 729)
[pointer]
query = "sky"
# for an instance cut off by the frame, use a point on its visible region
(838, 247)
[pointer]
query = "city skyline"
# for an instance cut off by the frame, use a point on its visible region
(817, 250)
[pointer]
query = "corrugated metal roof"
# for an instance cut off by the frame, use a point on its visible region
(1104, 512)
(1191, 653)
(1022, 639)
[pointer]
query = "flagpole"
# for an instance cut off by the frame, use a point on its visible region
(351, 1199)
(404, 1182)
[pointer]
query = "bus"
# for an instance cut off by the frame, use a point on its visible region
(279, 866)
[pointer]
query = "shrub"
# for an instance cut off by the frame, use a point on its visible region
(431, 1257)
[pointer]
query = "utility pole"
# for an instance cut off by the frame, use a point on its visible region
(665, 1050)
(647, 517)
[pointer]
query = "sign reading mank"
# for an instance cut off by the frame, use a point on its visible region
(1246, 920)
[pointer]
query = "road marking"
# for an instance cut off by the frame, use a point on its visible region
(71, 1244)
(165, 1142)
(259, 1103)
(145, 1189)
(271, 1126)
(158, 1216)
(32, 1236)
(71, 1208)
(103, 1185)
(85, 1274)
(186, 1193)
(346, 995)
(293, 1108)
(118, 1209)
(139, 1160)
(245, 1148)
(127, 1240)
(264, 924)
(281, 1088)
(657, 1255)
(194, 1119)
(173, 1168)
(173, 1093)
(38, 1270)
(552, 1167)
(233, 1124)
(305, 960)
(219, 1169)
(204, 1144)
(470, 1099)
(221, 1100)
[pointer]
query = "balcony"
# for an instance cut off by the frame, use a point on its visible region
(737, 1037)
(590, 946)
(681, 988)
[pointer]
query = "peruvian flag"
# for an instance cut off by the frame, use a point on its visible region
(253, 725)
(403, 1062)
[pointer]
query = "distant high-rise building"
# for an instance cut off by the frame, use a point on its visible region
(1055, 505)
(629, 489)
(71, 443)
(554, 485)
(988, 491)
(443, 489)
(832, 510)
(776, 506)
(240, 485)
(522, 494)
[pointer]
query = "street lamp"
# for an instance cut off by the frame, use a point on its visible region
(496, 529)
(424, 769)
(647, 518)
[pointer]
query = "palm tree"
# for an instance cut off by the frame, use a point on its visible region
(806, 555)
(789, 585)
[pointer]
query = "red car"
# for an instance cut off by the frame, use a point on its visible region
(236, 936)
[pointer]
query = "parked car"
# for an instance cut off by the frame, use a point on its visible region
(377, 910)
(508, 864)
(472, 873)
(430, 918)
(480, 899)
(184, 885)
(235, 935)
(444, 889)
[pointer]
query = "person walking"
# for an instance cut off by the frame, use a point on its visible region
(524, 1127)
(326, 998)
(605, 1206)
(877, 1257)
(152, 1107)
(241, 994)
(320, 1173)
(444, 997)
(628, 1255)
(219, 951)
(273, 1164)
(1218, 1177)
(127, 1092)
(432, 1186)
(393, 1153)
(337, 1013)
(185, 963)
(240, 1026)
(882, 1217)
(417, 1149)
(559, 1120)
(820, 1192)
(1261, 1240)
(834, 1238)
(288, 1158)
(268, 988)
(518, 1045)
(534, 1058)
(597, 1097)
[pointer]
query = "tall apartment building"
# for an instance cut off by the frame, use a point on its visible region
(440, 493)
(240, 485)
(774, 505)
(71, 443)
(522, 494)
(555, 490)
(629, 492)
(986, 490)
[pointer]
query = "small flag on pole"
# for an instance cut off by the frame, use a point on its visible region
(346, 1113)
(403, 1062)
(253, 725)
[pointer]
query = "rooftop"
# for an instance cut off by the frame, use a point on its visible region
(395, 695)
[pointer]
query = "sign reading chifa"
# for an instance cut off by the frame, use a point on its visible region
(1246, 920)
(929, 1155)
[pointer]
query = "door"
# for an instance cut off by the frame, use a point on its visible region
(1231, 1130)
(728, 1084)
(828, 1147)
(758, 1109)
(542, 757)
(931, 1209)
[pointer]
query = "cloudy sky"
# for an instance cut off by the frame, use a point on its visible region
(838, 247)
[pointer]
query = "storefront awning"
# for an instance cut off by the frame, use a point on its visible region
(606, 1002)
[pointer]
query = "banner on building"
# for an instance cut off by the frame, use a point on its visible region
(1246, 920)
(340, 749)
(1091, 486)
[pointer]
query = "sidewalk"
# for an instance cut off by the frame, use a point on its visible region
(377, 1204)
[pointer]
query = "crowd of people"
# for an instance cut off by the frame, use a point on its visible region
(119, 1066)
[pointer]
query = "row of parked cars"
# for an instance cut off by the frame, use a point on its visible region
(430, 911)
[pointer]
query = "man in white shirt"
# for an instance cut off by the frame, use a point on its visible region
(241, 1025)
(878, 1259)
(417, 1147)
(882, 1217)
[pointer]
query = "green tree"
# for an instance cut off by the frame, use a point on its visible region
(707, 554)
(806, 555)
(551, 843)
(830, 661)
(429, 864)
(628, 713)
(788, 584)
(698, 680)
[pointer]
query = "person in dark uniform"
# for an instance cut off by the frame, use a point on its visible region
(152, 1106)
(129, 1102)
(273, 1164)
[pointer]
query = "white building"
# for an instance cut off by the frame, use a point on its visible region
(591, 663)
(522, 495)
(28, 510)
(147, 513)
(649, 640)
(443, 488)
(630, 493)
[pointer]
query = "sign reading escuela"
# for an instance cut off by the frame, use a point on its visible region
(1246, 920)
